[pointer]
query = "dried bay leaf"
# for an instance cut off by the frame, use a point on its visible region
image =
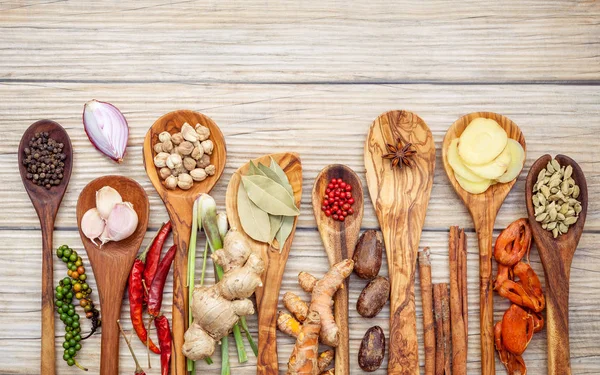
(283, 178)
(254, 220)
(285, 230)
(268, 172)
(275, 221)
(270, 196)
(253, 170)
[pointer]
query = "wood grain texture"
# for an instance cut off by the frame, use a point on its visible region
(483, 209)
(278, 41)
(46, 204)
(401, 197)
(339, 239)
(179, 205)
(267, 297)
(112, 263)
(557, 256)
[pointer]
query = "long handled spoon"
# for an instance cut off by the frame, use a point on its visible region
(267, 296)
(400, 197)
(112, 262)
(557, 255)
(179, 206)
(483, 209)
(46, 204)
(339, 239)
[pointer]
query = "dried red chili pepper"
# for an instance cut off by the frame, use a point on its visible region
(164, 339)
(136, 307)
(153, 256)
(155, 294)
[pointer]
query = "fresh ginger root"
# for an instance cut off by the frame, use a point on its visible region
(304, 359)
(216, 309)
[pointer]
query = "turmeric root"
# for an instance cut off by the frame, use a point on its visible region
(304, 359)
(295, 305)
(322, 299)
(324, 360)
(216, 309)
(307, 281)
(331, 371)
(288, 324)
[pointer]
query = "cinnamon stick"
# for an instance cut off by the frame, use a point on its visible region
(427, 298)
(446, 327)
(459, 352)
(439, 331)
(462, 279)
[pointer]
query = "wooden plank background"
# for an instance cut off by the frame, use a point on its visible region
(308, 77)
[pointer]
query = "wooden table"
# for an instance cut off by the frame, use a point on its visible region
(284, 76)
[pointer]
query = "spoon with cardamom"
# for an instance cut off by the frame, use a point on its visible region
(556, 255)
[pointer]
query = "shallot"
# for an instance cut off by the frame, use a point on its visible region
(107, 128)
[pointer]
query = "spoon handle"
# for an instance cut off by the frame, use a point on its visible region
(557, 326)
(48, 350)
(484, 227)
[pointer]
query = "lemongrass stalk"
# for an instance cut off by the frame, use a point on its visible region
(204, 258)
(253, 345)
(215, 230)
(225, 356)
(191, 365)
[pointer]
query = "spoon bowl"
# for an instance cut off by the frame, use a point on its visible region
(483, 209)
(339, 239)
(556, 255)
(179, 206)
(112, 262)
(46, 203)
(267, 296)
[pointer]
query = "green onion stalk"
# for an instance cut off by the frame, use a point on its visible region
(215, 230)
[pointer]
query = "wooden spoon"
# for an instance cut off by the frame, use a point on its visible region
(400, 197)
(112, 262)
(267, 297)
(179, 206)
(339, 239)
(46, 203)
(483, 209)
(557, 255)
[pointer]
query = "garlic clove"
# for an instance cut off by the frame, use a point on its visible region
(104, 236)
(121, 222)
(106, 198)
(92, 224)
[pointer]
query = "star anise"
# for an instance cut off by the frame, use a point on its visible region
(400, 154)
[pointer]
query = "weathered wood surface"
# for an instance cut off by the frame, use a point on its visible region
(307, 78)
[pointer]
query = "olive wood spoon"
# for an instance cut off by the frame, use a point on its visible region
(112, 262)
(179, 206)
(339, 239)
(267, 296)
(46, 203)
(483, 209)
(400, 197)
(557, 255)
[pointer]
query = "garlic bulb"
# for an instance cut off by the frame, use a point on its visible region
(106, 198)
(121, 222)
(92, 224)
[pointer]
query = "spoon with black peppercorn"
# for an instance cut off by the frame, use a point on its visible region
(46, 198)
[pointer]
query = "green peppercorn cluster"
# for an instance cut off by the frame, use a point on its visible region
(66, 310)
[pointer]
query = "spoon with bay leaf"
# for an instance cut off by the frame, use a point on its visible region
(267, 296)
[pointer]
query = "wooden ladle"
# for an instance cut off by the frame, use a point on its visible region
(400, 197)
(112, 262)
(179, 206)
(339, 239)
(46, 203)
(483, 209)
(557, 255)
(267, 296)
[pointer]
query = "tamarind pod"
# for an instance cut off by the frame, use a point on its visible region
(513, 243)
